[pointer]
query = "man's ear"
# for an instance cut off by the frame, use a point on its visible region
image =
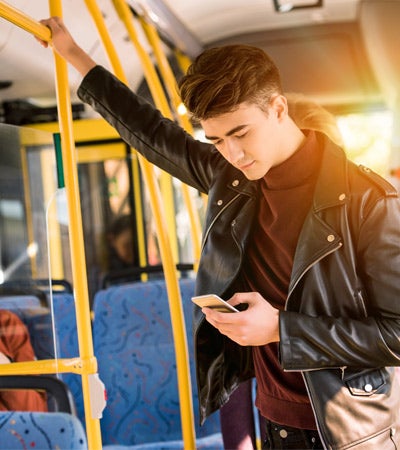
(280, 106)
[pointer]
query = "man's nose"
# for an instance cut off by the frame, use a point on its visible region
(234, 151)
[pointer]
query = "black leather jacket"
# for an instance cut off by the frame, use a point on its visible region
(341, 324)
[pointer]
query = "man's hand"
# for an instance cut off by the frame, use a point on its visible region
(64, 44)
(257, 325)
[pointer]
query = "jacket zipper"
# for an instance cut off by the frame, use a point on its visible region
(321, 435)
(309, 267)
(326, 446)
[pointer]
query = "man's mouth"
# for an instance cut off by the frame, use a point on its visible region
(246, 166)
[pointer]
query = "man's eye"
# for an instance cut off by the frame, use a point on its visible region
(242, 135)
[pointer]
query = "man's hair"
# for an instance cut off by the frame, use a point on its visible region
(221, 78)
(309, 115)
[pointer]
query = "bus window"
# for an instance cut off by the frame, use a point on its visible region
(367, 139)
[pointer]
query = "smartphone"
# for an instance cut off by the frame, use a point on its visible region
(214, 302)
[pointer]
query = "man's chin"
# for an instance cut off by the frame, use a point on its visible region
(253, 175)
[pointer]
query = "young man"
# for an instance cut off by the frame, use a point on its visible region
(309, 242)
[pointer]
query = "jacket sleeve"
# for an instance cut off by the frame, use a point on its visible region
(369, 334)
(160, 140)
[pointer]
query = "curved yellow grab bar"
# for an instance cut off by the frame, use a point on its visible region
(170, 82)
(25, 22)
(178, 324)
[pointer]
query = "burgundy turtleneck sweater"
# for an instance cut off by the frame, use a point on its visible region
(286, 197)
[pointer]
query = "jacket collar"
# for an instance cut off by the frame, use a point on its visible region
(331, 188)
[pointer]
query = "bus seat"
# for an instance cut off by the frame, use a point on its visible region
(212, 442)
(67, 338)
(25, 294)
(15, 301)
(135, 352)
(37, 319)
(39, 323)
(59, 397)
(59, 430)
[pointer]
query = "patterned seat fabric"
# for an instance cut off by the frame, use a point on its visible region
(135, 352)
(67, 344)
(41, 431)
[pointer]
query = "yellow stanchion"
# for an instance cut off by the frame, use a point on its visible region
(82, 305)
(183, 60)
(23, 21)
(161, 103)
(86, 364)
(178, 324)
(170, 82)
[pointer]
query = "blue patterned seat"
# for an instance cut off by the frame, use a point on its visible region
(41, 431)
(135, 353)
(67, 341)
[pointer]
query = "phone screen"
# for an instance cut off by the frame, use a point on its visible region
(214, 302)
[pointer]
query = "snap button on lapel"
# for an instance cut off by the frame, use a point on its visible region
(235, 183)
(330, 238)
(342, 197)
(219, 202)
(283, 433)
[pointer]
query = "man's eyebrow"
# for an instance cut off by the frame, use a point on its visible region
(229, 133)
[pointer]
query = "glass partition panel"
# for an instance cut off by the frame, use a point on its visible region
(33, 211)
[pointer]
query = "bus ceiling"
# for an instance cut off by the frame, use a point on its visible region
(343, 53)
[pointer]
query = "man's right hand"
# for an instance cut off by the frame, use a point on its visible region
(64, 44)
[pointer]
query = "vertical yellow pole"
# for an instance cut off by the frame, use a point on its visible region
(86, 363)
(178, 325)
(76, 238)
(161, 102)
(170, 82)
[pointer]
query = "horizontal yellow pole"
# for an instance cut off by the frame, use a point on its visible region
(25, 22)
(42, 366)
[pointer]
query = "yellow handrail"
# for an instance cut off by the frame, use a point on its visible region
(82, 305)
(75, 219)
(161, 103)
(23, 21)
(178, 324)
(170, 82)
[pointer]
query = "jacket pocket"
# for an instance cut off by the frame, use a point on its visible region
(383, 440)
(365, 383)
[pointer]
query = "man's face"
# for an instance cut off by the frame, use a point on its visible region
(249, 138)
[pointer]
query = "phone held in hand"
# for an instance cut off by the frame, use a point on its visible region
(214, 302)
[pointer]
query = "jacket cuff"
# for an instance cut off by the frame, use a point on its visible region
(88, 80)
(284, 340)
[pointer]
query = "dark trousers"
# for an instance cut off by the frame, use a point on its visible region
(279, 437)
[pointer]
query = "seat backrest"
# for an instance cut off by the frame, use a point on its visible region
(40, 326)
(59, 397)
(67, 339)
(22, 430)
(135, 352)
(36, 317)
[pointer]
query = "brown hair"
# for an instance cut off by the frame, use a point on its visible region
(221, 78)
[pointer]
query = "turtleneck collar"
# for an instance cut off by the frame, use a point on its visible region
(297, 169)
